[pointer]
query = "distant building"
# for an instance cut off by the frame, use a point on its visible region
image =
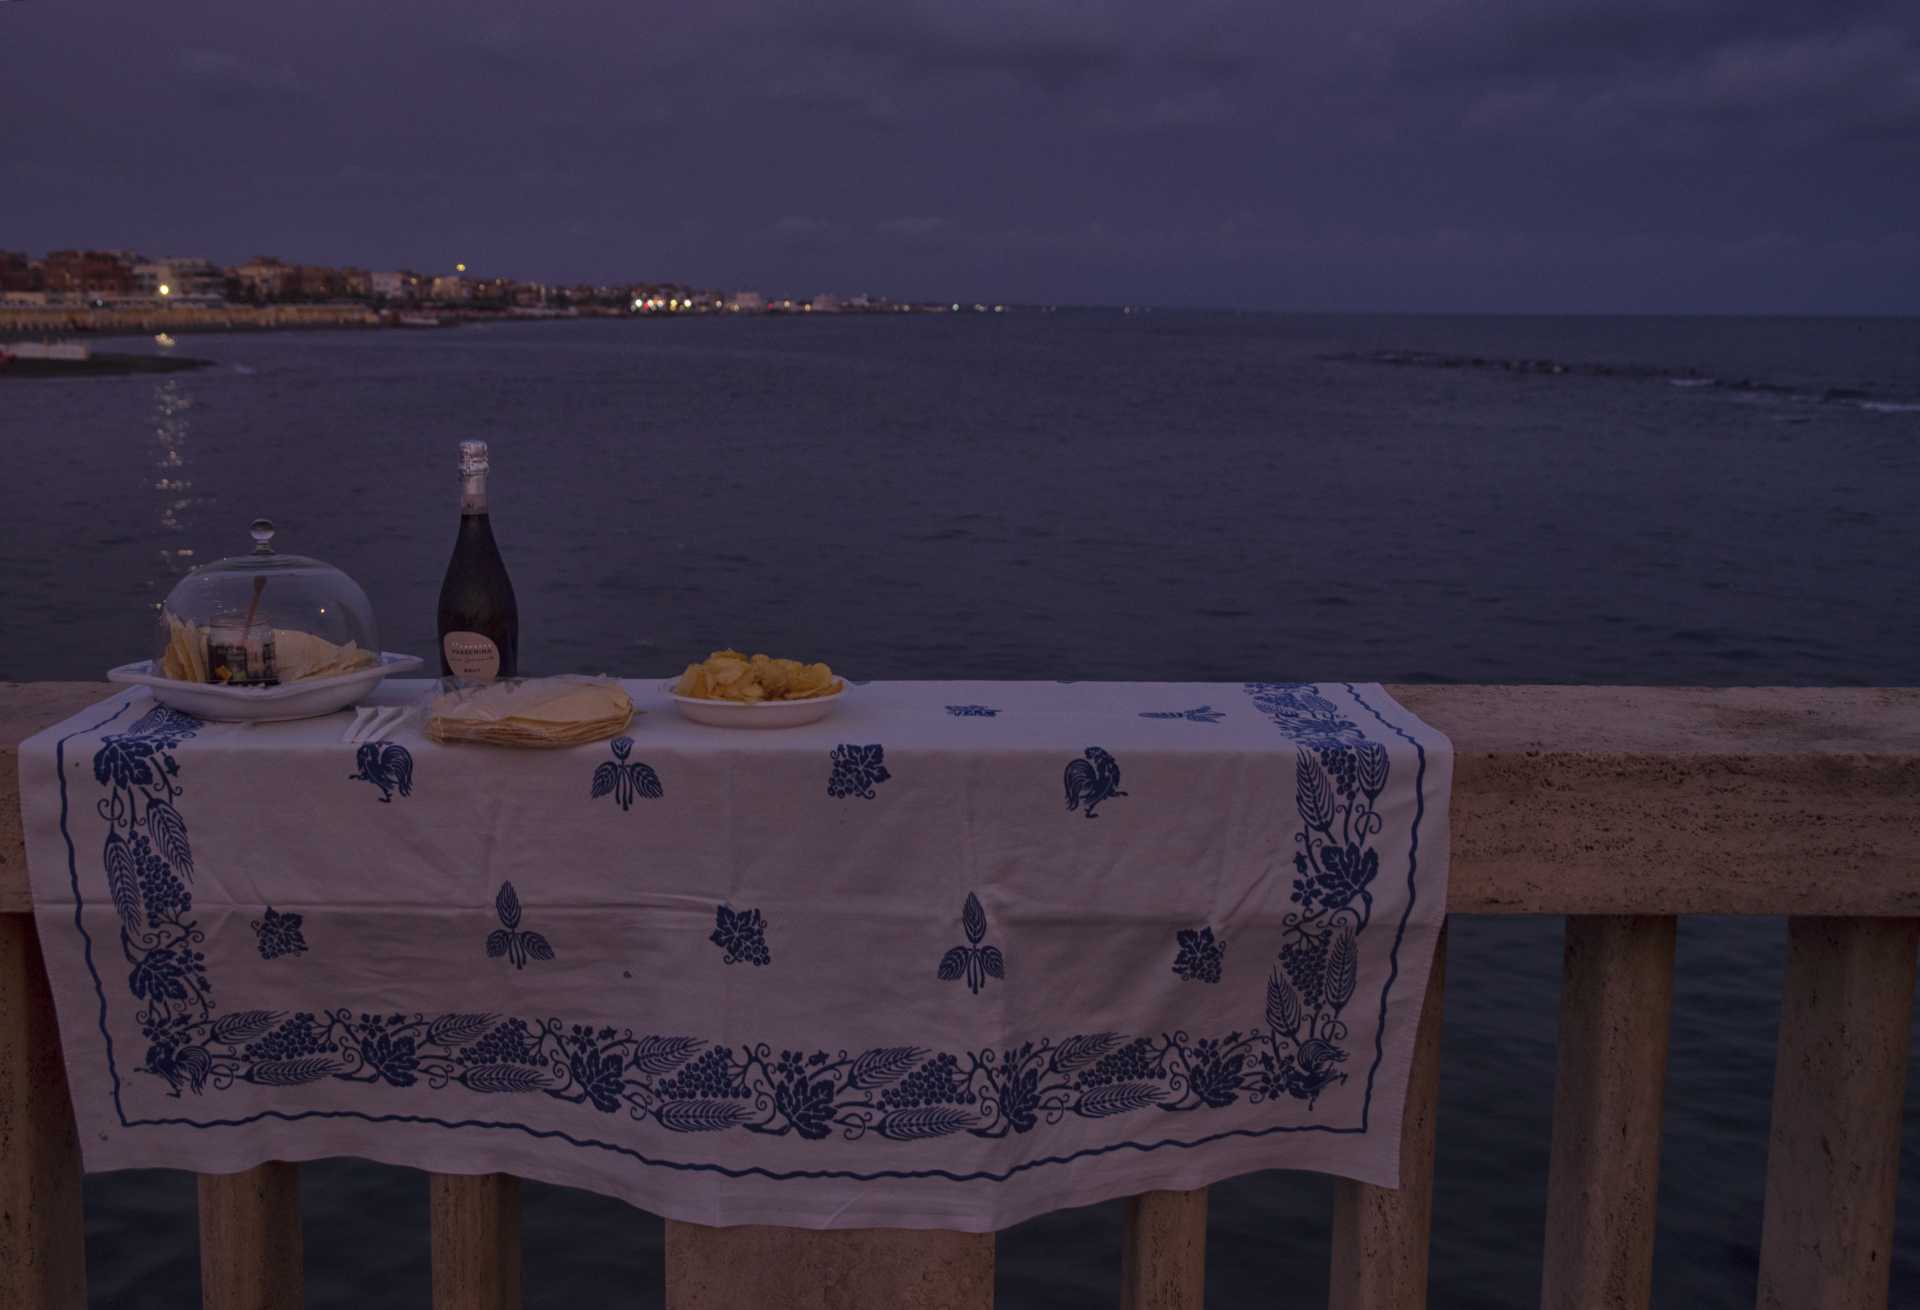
(827, 303)
(747, 302)
(451, 287)
(98, 273)
(400, 285)
(264, 278)
(19, 273)
(188, 280)
(316, 282)
(356, 283)
(529, 295)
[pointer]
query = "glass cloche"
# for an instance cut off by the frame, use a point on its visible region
(265, 619)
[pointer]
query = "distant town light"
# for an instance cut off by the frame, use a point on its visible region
(165, 290)
(459, 268)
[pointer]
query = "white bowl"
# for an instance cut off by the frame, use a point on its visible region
(306, 699)
(755, 714)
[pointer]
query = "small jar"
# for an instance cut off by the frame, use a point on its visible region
(240, 654)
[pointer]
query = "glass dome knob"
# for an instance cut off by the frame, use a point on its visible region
(262, 530)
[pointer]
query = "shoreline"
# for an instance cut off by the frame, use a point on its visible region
(16, 324)
(102, 365)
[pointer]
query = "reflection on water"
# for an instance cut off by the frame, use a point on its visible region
(171, 430)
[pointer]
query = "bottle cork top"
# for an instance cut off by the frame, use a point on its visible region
(473, 458)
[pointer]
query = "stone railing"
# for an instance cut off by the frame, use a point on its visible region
(1617, 807)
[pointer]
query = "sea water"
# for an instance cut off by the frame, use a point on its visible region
(1054, 495)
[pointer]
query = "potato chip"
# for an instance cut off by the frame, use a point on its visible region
(732, 676)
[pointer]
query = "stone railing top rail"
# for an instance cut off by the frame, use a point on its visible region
(1567, 800)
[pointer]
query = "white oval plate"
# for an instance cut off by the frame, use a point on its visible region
(309, 698)
(763, 714)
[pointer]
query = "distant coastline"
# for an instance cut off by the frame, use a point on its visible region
(35, 322)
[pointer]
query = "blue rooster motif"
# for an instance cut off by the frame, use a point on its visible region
(387, 765)
(177, 1064)
(1092, 780)
(625, 781)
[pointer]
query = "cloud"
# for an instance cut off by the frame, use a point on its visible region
(913, 229)
(229, 80)
(801, 232)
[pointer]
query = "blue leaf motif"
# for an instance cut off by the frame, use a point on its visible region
(1121, 1098)
(925, 1122)
(702, 1116)
(504, 1078)
(1373, 767)
(497, 943)
(124, 763)
(169, 833)
(625, 780)
(536, 946)
(121, 884)
(974, 962)
(1311, 792)
(508, 905)
(1283, 1005)
(604, 779)
(242, 1026)
(292, 1073)
(646, 781)
(974, 919)
(883, 1066)
(1343, 969)
(1077, 1052)
(459, 1029)
(662, 1055)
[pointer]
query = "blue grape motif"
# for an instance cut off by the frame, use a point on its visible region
(1201, 714)
(857, 770)
(1199, 959)
(279, 935)
(972, 711)
(741, 934)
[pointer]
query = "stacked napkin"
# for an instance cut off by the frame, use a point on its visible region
(539, 712)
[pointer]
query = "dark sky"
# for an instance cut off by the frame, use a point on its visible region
(1604, 155)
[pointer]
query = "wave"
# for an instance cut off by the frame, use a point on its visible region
(1686, 378)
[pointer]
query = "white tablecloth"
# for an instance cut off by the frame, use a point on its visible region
(959, 954)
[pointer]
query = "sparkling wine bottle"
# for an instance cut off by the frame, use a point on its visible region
(479, 621)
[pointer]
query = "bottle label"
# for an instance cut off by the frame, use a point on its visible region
(471, 655)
